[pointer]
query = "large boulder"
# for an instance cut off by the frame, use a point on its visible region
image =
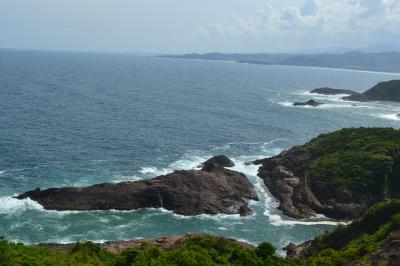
(217, 161)
(186, 192)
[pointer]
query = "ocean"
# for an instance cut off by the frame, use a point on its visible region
(77, 119)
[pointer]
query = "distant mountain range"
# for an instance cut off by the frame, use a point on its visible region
(385, 61)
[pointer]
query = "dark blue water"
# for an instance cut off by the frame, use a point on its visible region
(73, 119)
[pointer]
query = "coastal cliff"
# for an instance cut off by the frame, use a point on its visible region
(339, 174)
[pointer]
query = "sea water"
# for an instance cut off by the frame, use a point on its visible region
(77, 119)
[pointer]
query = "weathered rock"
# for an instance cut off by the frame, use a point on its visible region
(301, 251)
(219, 160)
(284, 175)
(311, 102)
(186, 192)
(331, 91)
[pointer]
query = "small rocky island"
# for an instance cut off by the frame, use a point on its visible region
(331, 91)
(339, 174)
(211, 190)
(383, 91)
(311, 102)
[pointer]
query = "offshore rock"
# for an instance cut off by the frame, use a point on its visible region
(186, 192)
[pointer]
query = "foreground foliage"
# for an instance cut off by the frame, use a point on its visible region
(357, 243)
(360, 165)
(352, 244)
(197, 250)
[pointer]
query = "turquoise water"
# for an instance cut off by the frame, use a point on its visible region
(75, 119)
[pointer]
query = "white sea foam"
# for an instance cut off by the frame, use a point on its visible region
(336, 97)
(124, 178)
(327, 105)
(278, 219)
(208, 216)
(347, 70)
(393, 117)
(189, 161)
(286, 104)
(2, 172)
(154, 170)
(343, 105)
(12, 205)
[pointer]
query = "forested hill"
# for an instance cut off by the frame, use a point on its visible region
(385, 61)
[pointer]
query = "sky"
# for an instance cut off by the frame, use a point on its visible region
(185, 26)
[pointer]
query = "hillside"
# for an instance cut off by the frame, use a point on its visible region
(385, 91)
(385, 61)
(372, 240)
(338, 174)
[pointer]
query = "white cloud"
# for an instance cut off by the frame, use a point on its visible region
(337, 22)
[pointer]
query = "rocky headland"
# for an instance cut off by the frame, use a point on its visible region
(211, 190)
(339, 174)
(383, 91)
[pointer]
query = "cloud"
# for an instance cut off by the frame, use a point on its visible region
(337, 22)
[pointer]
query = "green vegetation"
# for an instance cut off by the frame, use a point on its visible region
(355, 165)
(196, 250)
(356, 243)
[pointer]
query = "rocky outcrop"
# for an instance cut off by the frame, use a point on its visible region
(284, 175)
(311, 102)
(331, 91)
(186, 192)
(383, 91)
(299, 252)
(335, 174)
(218, 160)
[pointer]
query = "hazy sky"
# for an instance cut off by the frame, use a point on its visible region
(178, 26)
